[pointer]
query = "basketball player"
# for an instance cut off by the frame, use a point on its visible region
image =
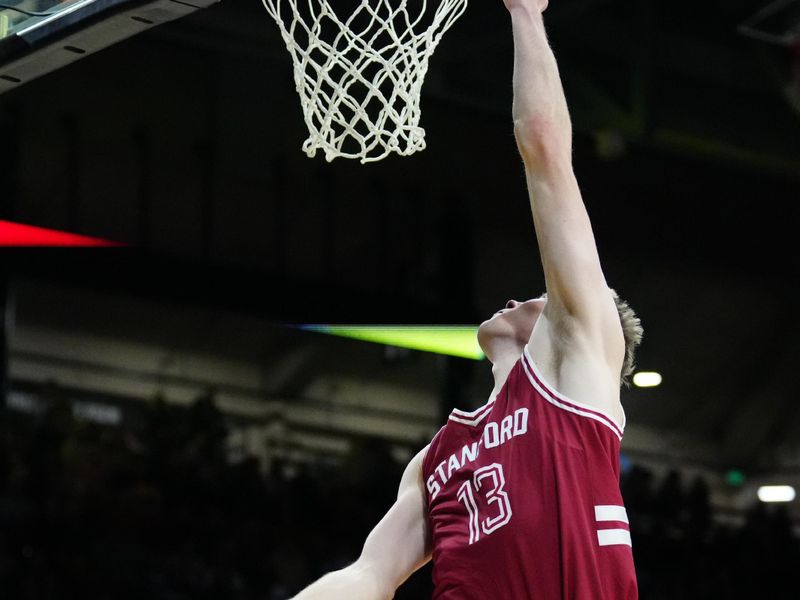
(520, 498)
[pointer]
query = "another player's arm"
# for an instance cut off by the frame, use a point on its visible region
(579, 302)
(398, 546)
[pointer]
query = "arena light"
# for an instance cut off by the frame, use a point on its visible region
(776, 493)
(452, 340)
(647, 379)
(20, 235)
(735, 478)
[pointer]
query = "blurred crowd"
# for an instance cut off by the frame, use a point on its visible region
(156, 510)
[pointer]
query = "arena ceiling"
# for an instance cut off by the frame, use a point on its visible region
(184, 142)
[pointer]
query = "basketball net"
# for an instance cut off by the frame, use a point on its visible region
(360, 76)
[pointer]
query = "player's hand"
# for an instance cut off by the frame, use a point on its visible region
(540, 5)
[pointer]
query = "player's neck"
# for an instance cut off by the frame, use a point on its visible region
(501, 367)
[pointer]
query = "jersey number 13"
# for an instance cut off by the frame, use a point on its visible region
(488, 481)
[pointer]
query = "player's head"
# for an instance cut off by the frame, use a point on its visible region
(510, 328)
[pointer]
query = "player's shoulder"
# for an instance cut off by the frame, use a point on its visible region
(419, 457)
(578, 387)
(413, 473)
(428, 452)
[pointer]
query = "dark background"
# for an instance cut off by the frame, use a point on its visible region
(184, 143)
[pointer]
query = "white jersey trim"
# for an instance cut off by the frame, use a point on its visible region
(610, 512)
(614, 537)
(549, 393)
(473, 417)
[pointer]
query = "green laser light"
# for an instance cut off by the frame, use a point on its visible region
(451, 340)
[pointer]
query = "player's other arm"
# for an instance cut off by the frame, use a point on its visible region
(398, 546)
(578, 296)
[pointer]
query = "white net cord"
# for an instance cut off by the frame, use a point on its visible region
(360, 79)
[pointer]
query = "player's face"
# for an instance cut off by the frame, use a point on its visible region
(514, 323)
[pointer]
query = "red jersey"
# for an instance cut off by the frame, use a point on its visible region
(524, 500)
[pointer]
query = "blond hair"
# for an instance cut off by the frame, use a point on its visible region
(632, 331)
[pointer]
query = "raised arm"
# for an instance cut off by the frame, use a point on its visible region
(396, 548)
(578, 296)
